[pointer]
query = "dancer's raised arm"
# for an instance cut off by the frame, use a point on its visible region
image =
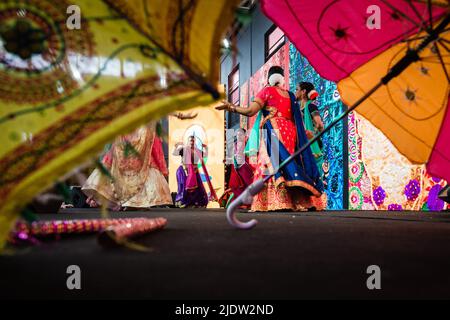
(250, 111)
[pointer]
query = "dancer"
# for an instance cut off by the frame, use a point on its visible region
(137, 172)
(135, 168)
(298, 186)
(306, 95)
(191, 192)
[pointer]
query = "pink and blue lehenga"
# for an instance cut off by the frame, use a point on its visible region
(277, 133)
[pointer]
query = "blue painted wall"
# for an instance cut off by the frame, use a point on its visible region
(250, 44)
(250, 56)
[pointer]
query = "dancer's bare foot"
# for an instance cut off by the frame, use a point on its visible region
(92, 203)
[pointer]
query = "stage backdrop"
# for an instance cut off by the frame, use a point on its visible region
(330, 107)
(209, 129)
(383, 179)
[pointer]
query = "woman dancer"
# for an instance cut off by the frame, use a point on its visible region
(241, 173)
(306, 95)
(297, 186)
(136, 171)
(191, 192)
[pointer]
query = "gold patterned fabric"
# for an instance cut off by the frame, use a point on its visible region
(135, 181)
(66, 92)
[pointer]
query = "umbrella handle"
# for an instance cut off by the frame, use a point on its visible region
(245, 198)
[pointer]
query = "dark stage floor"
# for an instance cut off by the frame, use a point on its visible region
(287, 256)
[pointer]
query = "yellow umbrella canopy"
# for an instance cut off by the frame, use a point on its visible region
(70, 85)
(410, 109)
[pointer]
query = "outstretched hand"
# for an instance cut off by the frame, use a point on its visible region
(224, 106)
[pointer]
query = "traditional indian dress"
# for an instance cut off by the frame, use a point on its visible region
(191, 191)
(241, 173)
(137, 168)
(298, 185)
(308, 111)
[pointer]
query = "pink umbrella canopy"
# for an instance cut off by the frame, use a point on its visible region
(334, 34)
(355, 43)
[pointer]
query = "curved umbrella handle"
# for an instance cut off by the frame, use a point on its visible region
(245, 198)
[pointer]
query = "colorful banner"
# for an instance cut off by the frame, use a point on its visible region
(381, 178)
(330, 107)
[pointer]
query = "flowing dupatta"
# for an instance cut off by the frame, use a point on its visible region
(252, 146)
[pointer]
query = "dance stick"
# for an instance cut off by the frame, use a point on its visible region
(205, 171)
(119, 234)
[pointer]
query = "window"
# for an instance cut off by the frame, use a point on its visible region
(274, 40)
(233, 86)
(234, 96)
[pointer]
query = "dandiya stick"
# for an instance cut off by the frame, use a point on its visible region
(205, 171)
(119, 234)
(23, 230)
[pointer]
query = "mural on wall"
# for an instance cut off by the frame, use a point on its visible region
(381, 178)
(432, 187)
(330, 106)
(360, 186)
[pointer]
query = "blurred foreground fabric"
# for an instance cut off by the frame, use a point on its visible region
(65, 92)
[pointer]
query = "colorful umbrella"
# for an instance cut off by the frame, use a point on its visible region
(356, 43)
(390, 60)
(75, 74)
